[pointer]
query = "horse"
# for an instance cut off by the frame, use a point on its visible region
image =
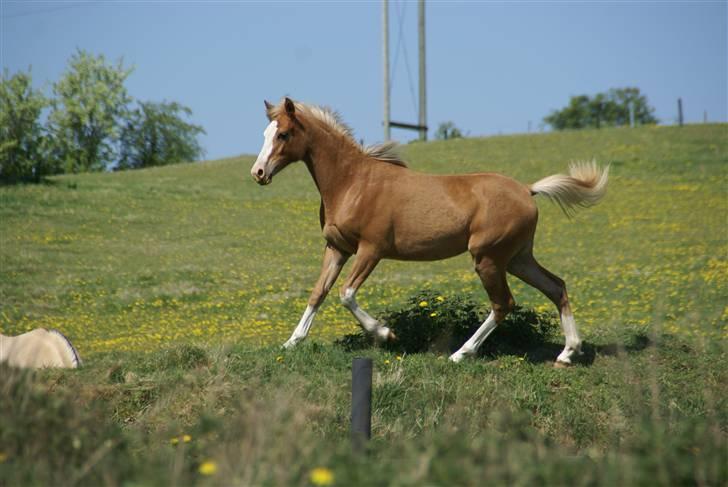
(39, 348)
(375, 207)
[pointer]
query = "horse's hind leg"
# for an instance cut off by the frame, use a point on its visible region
(494, 280)
(331, 267)
(366, 261)
(525, 267)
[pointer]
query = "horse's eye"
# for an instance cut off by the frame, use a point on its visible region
(283, 136)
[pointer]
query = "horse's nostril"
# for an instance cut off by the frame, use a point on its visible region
(260, 172)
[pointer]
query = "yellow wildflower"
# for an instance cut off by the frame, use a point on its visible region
(322, 476)
(399, 357)
(174, 440)
(386, 362)
(279, 358)
(433, 314)
(424, 304)
(3, 457)
(440, 299)
(186, 438)
(208, 467)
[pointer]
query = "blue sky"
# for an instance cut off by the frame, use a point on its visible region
(492, 67)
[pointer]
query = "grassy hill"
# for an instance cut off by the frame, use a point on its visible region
(177, 284)
(136, 260)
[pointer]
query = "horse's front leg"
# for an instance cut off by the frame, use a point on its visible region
(366, 261)
(333, 262)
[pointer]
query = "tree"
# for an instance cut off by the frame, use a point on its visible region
(155, 134)
(643, 112)
(22, 138)
(91, 101)
(576, 115)
(604, 109)
(447, 130)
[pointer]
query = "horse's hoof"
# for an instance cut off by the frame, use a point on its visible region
(383, 335)
(458, 357)
(561, 365)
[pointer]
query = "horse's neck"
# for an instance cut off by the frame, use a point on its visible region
(333, 165)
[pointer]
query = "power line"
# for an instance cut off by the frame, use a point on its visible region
(47, 10)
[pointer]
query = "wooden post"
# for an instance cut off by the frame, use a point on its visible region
(361, 402)
(631, 113)
(679, 112)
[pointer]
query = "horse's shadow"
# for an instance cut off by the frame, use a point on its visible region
(527, 335)
(547, 350)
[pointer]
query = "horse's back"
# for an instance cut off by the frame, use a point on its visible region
(435, 216)
(36, 349)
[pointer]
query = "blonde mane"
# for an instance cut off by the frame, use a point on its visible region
(385, 152)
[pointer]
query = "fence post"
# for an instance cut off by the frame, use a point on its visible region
(679, 112)
(361, 402)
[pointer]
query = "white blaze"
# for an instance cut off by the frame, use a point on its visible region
(269, 134)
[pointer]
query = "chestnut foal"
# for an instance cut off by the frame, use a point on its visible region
(373, 206)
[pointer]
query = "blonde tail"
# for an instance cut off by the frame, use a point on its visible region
(585, 185)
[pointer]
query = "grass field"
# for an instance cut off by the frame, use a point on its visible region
(177, 284)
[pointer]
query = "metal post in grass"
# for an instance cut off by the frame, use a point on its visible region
(361, 402)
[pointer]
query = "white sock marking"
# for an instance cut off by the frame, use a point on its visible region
(573, 342)
(304, 325)
(473, 344)
(367, 322)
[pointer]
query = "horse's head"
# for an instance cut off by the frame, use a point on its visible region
(284, 142)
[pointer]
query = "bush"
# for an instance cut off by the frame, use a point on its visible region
(432, 322)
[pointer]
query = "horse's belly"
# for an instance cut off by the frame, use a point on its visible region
(434, 246)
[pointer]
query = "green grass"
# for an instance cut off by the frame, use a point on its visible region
(177, 284)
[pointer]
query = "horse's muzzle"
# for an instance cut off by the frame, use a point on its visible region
(260, 177)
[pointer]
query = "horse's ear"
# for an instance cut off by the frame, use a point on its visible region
(290, 107)
(268, 108)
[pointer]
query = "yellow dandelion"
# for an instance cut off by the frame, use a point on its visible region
(399, 357)
(208, 467)
(174, 440)
(279, 358)
(424, 304)
(433, 314)
(186, 438)
(440, 299)
(386, 362)
(322, 476)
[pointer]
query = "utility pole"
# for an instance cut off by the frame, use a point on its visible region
(421, 125)
(423, 90)
(385, 40)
